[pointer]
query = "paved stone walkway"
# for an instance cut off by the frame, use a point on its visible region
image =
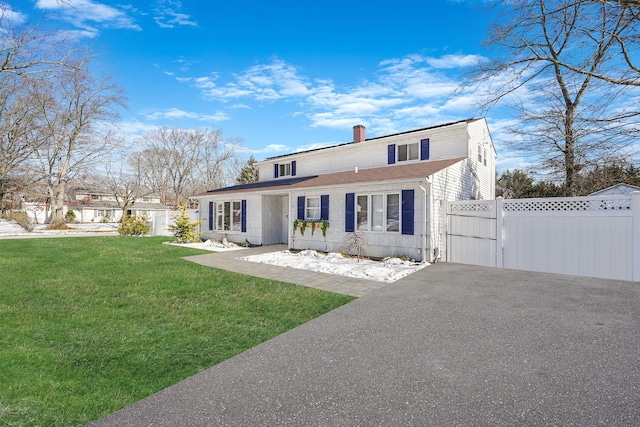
(327, 282)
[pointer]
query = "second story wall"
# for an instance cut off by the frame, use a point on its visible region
(438, 143)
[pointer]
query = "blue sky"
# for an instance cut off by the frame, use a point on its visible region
(282, 75)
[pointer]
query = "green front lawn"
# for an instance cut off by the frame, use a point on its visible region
(89, 325)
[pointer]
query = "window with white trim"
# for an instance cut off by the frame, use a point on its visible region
(378, 212)
(285, 169)
(408, 152)
(312, 208)
(228, 216)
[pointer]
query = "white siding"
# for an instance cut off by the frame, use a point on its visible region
(254, 219)
(380, 244)
(445, 143)
(457, 182)
(486, 173)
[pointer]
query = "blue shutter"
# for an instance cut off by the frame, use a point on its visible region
(275, 170)
(301, 207)
(293, 168)
(243, 216)
(324, 207)
(350, 212)
(211, 215)
(424, 149)
(407, 211)
(391, 154)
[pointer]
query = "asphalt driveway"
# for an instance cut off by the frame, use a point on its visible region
(449, 345)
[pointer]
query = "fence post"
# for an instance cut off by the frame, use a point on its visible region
(635, 236)
(499, 213)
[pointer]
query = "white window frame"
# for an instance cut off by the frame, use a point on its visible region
(310, 207)
(284, 169)
(412, 152)
(225, 218)
(369, 226)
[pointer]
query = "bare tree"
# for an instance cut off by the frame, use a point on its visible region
(72, 110)
(125, 185)
(28, 56)
(178, 163)
(17, 116)
(568, 72)
(27, 50)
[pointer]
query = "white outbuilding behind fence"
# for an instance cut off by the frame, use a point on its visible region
(596, 236)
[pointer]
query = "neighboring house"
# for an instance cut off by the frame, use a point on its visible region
(91, 205)
(617, 190)
(390, 188)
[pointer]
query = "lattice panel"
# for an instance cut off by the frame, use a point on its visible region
(479, 206)
(567, 205)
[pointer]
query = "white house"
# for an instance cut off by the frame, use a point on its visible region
(390, 188)
(617, 190)
(94, 205)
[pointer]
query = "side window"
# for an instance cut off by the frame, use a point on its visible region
(236, 216)
(285, 169)
(230, 216)
(393, 212)
(378, 212)
(362, 213)
(312, 209)
(408, 152)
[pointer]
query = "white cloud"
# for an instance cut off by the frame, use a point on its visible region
(410, 91)
(132, 129)
(14, 17)
(169, 15)
(85, 13)
(79, 34)
(315, 146)
(176, 114)
(272, 148)
(268, 82)
(456, 61)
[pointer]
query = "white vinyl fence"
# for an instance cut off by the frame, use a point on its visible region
(584, 236)
(160, 221)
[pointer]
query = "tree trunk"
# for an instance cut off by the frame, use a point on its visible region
(569, 153)
(57, 207)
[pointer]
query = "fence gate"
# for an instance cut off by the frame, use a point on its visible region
(586, 236)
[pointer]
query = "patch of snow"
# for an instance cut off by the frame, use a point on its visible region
(209, 245)
(12, 228)
(388, 270)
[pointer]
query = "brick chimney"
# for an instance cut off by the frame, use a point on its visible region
(358, 133)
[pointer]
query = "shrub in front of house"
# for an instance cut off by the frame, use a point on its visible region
(134, 226)
(70, 216)
(185, 230)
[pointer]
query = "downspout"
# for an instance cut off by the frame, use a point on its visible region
(291, 242)
(425, 205)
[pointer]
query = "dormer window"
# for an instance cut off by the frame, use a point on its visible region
(407, 152)
(284, 169)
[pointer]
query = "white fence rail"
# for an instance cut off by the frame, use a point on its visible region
(585, 236)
